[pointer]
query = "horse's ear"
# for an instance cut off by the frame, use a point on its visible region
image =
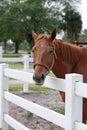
(53, 34)
(34, 35)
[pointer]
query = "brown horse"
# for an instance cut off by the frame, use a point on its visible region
(60, 57)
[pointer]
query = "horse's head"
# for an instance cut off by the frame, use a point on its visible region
(44, 52)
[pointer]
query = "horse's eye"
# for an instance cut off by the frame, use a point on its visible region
(51, 51)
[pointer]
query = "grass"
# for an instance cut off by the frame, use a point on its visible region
(58, 110)
(32, 87)
(16, 65)
(28, 115)
(12, 54)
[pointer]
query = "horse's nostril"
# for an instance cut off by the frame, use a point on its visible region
(33, 77)
(42, 76)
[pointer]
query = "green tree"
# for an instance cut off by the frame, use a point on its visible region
(71, 24)
(3, 34)
(18, 19)
(83, 36)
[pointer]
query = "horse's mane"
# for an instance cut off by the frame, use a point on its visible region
(70, 52)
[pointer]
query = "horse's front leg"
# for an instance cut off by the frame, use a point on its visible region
(84, 110)
(62, 95)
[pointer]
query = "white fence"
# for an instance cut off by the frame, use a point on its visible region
(26, 60)
(72, 85)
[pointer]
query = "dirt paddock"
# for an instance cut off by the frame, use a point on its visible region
(51, 100)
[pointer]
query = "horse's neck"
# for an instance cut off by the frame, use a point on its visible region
(67, 56)
(60, 68)
(67, 52)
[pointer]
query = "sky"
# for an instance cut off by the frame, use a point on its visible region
(83, 11)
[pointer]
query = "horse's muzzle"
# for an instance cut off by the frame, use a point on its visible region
(39, 80)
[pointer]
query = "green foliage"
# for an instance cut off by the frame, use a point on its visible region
(83, 36)
(71, 23)
(18, 19)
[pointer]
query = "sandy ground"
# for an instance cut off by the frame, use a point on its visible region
(50, 100)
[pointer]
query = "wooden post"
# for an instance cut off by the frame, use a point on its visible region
(3, 102)
(73, 103)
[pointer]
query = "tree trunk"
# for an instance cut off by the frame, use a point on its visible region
(5, 47)
(16, 45)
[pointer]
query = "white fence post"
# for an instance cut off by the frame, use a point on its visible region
(73, 103)
(3, 102)
(26, 68)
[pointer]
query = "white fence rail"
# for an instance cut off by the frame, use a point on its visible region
(72, 86)
(26, 60)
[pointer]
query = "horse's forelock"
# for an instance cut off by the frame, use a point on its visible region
(42, 36)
